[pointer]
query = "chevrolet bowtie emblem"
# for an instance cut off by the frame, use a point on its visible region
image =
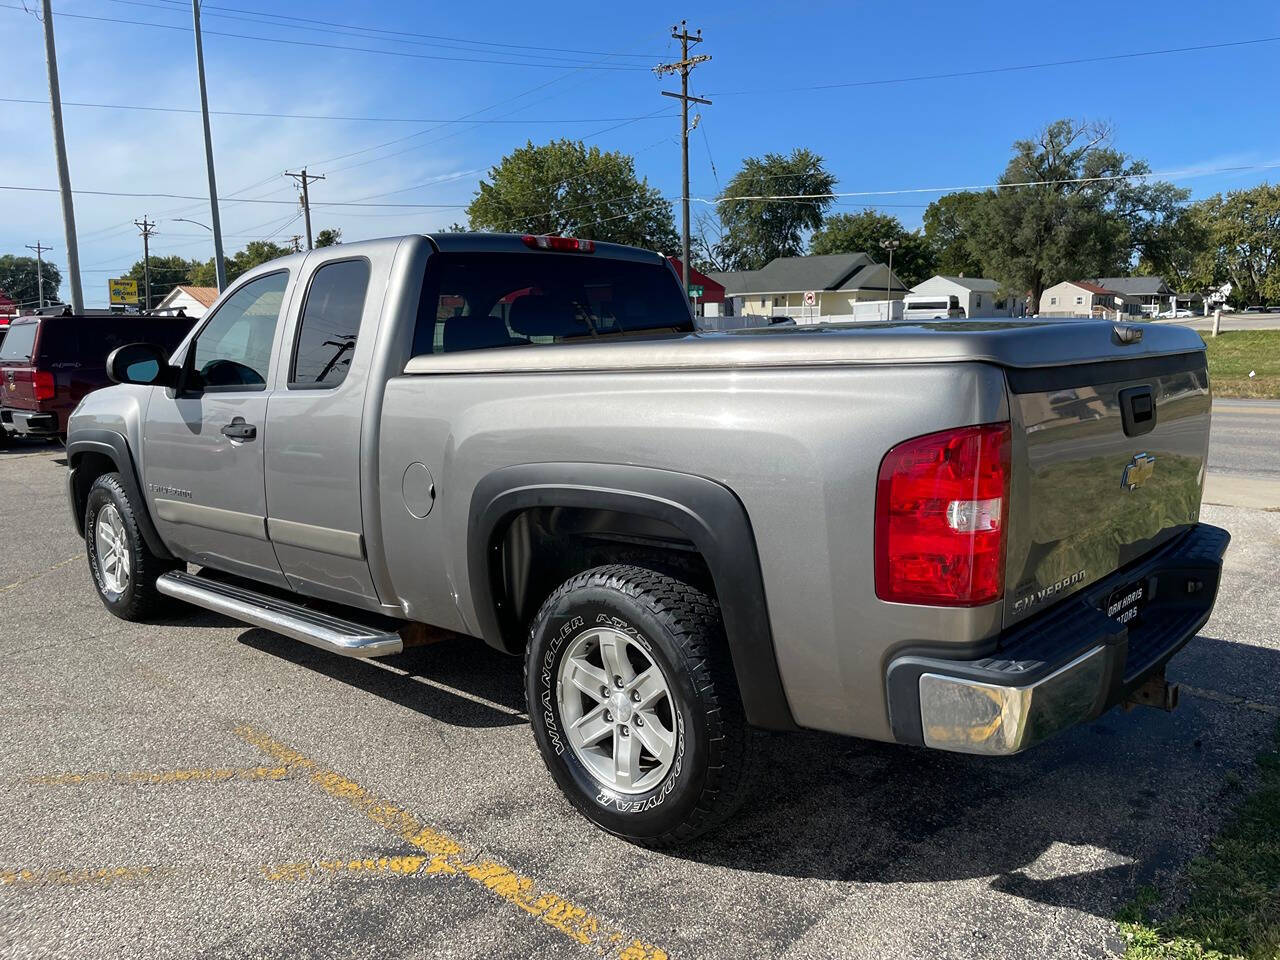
(1138, 471)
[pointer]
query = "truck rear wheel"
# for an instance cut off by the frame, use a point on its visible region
(124, 568)
(634, 705)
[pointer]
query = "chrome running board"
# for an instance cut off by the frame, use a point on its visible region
(321, 630)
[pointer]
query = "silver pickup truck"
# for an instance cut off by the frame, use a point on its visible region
(962, 534)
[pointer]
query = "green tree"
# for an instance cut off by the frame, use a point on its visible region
(569, 189)
(1069, 205)
(1244, 243)
(329, 237)
(254, 253)
(913, 261)
(757, 231)
(20, 283)
(951, 228)
(166, 273)
(1181, 252)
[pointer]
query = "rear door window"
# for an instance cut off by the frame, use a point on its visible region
(329, 324)
(485, 300)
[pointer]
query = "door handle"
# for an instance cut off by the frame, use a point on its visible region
(237, 429)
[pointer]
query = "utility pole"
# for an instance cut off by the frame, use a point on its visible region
(296, 240)
(304, 178)
(890, 245)
(219, 266)
(40, 249)
(683, 67)
(60, 149)
(146, 226)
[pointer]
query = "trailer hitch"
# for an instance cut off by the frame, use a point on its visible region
(1155, 691)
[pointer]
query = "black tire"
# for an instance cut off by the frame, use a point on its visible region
(680, 629)
(140, 599)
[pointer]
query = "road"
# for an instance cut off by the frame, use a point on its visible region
(1233, 321)
(1245, 438)
(196, 788)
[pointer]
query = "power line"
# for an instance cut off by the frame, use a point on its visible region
(540, 53)
(331, 46)
(955, 75)
(313, 116)
(408, 33)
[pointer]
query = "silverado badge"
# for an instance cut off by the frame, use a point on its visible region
(1138, 471)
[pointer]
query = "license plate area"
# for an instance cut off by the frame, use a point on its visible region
(1126, 603)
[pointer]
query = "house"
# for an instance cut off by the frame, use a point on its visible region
(828, 285)
(1151, 293)
(193, 301)
(708, 303)
(978, 297)
(1082, 298)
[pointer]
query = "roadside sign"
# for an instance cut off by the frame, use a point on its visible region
(123, 290)
(695, 290)
(810, 298)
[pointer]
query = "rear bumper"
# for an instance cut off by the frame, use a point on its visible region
(1068, 665)
(29, 422)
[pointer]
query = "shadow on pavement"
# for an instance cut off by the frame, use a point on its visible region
(1077, 822)
(463, 664)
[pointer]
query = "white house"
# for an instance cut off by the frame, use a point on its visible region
(1085, 299)
(978, 297)
(822, 286)
(193, 301)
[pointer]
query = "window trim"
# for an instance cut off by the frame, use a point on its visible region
(302, 310)
(188, 362)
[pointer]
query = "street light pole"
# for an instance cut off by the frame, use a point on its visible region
(219, 267)
(890, 245)
(60, 151)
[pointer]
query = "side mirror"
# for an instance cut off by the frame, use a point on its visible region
(143, 363)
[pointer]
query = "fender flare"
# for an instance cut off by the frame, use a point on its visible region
(115, 447)
(705, 511)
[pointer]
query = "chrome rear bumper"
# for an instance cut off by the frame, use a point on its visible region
(1064, 667)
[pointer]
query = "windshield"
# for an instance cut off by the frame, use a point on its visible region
(19, 343)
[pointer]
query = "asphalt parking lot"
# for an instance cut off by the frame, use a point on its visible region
(197, 788)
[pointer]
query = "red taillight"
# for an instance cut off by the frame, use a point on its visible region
(42, 385)
(942, 502)
(563, 244)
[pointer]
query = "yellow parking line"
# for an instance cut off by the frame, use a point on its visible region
(216, 775)
(74, 877)
(442, 854)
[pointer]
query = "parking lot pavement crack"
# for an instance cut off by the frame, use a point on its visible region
(1231, 700)
(439, 853)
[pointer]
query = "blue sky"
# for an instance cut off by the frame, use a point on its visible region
(1188, 113)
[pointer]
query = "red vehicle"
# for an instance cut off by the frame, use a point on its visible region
(48, 363)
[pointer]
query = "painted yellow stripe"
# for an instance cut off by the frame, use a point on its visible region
(442, 854)
(74, 877)
(216, 775)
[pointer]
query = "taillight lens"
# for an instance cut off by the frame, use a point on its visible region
(942, 502)
(42, 385)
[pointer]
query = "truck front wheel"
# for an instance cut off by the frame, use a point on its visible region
(634, 706)
(124, 569)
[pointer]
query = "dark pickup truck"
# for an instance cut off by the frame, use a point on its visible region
(49, 363)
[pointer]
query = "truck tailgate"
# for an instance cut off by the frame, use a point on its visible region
(1108, 463)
